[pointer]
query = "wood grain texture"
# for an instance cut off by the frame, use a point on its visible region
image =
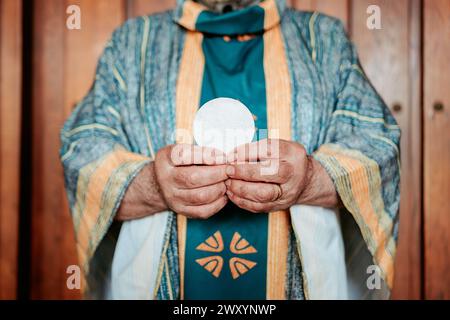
(64, 66)
(63, 69)
(146, 7)
(437, 149)
(391, 59)
(10, 120)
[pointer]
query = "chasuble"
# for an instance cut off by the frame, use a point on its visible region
(299, 75)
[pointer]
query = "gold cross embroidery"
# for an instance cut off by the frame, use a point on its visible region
(214, 264)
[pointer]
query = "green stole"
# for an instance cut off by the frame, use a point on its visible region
(230, 255)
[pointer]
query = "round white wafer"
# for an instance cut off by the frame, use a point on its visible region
(223, 124)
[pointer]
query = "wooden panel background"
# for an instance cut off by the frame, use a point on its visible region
(437, 148)
(63, 65)
(391, 59)
(10, 115)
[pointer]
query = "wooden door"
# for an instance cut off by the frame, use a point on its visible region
(64, 64)
(145, 7)
(436, 108)
(63, 70)
(391, 58)
(10, 141)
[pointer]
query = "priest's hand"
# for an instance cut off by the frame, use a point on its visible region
(192, 179)
(271, 175)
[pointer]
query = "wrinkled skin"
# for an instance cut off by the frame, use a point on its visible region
(267, 175)
(191, 180)
(223, 6)
(197, 182)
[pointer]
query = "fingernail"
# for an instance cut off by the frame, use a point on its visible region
(220, 159)
(231, 157)
(230, 171)
(229, 193)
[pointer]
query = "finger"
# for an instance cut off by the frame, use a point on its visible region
(202, 195)
(252, 206)
(255, 151)
(191, 177)
(271, 171)
(254, 191)
(188, 154)
(205, 211)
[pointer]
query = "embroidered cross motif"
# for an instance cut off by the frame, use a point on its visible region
(214, 264)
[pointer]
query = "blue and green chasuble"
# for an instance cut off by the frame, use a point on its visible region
(299, 74)
(233, 69)
(226, 256)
